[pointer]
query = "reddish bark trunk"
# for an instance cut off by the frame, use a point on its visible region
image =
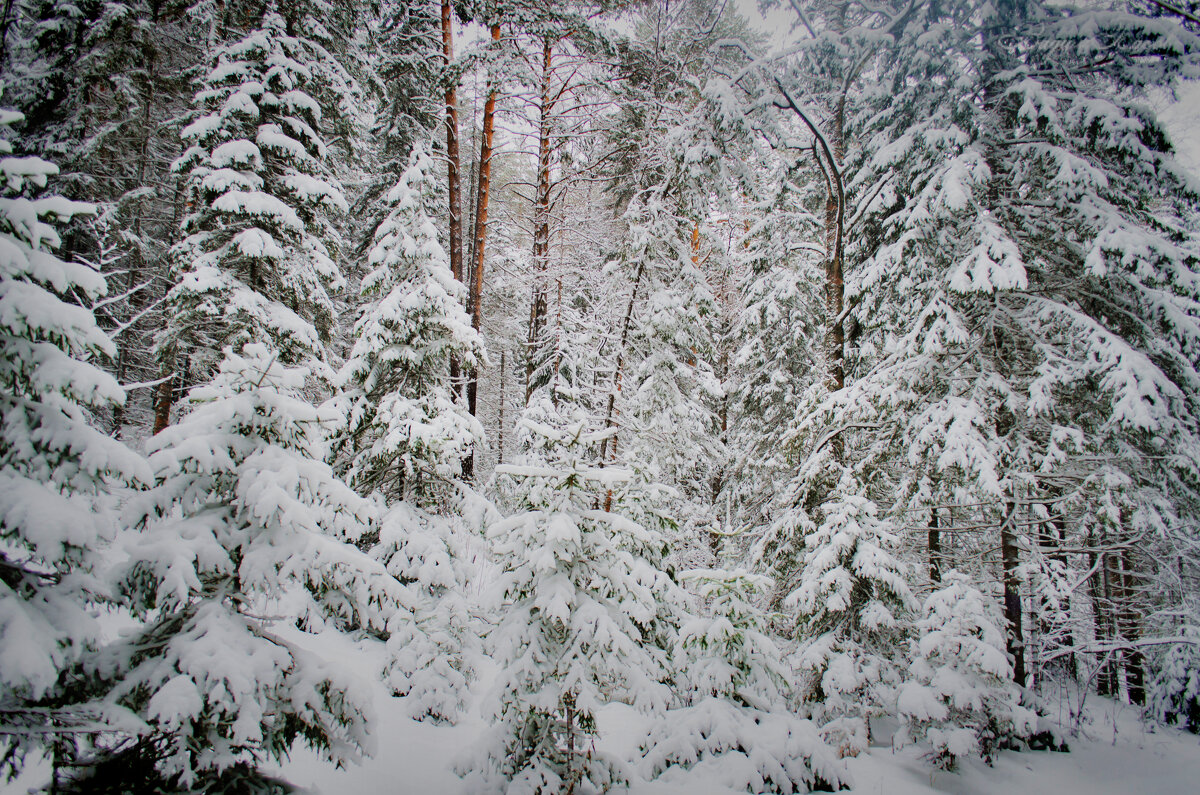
(481, 212)
(163, 401)
(454, 189)
(835, 286)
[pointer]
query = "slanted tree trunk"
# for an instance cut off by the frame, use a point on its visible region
(610, 410)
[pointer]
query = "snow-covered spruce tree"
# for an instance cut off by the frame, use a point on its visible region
(669, 394)
(961, 697)
(774, 337)
(427, 654)
(579, 624)
(1032, 300)
(733, 725)
(256, 263)
(245, 522)
(853, 605)
(1173, 697)
(102, 84)
(405, 437)
(56, 470)
(405, 434)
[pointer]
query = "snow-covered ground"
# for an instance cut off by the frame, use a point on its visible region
(1115, 753)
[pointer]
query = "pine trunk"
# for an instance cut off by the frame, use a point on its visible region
(481, 212)
(541, 222)
(1127, 624)
(1098, 586)
(500, 413)
(835, 285)
(165, 398)
(454, 180)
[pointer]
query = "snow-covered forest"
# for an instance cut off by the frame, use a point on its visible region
(554, 396)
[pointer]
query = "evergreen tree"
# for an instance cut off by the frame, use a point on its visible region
(961, 697)
(257, 264)
(1174, 694)
(57, 472)
(853, 603)
(427, 654)
(671, 391)
(245, 517)
(405, 437)
(102, 84)
(580, 621)
(1032, 299)
(405, 432)
(733, 722)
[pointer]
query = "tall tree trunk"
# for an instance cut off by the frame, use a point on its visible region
(835, 285)
(136, 262)
(1098, 587)
(165, 398)
(1010, 556)
(500, 413)
(935, 548)
(1127, 625)
(541, 222)
(481, 212)
(1050, 543)
(454, 188)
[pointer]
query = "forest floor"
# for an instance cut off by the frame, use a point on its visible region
(1113, 752)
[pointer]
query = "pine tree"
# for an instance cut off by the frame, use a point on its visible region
(245, 517)
(56, 471)
(580, 623)
(734, 722)
(961, 697)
